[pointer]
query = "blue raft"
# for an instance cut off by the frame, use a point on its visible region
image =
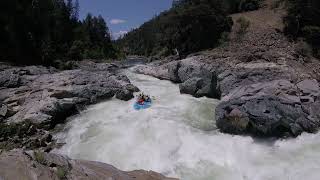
(145, 105)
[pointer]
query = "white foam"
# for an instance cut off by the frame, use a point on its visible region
(172, 137)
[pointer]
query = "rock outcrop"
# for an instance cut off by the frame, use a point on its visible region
(31, 165)
(47, 96)
(275, 108)
(33, 99)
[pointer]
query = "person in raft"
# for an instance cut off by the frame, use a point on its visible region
(143, 98)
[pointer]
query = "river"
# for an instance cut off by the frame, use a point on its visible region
(177, 137)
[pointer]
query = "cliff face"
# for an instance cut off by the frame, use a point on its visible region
(43, 166)
(266, 86)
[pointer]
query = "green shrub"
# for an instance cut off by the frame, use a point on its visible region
(64, 65)
(7, 131)
(13, 129)
(243, 27)
(62, 173)
(39, 157)
(75, 52)
(224, 39)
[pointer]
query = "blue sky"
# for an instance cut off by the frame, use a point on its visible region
(123, 15)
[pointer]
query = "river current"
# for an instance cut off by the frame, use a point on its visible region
(177, 137)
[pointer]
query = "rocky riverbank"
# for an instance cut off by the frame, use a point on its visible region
(37, 165)
(266, 87)
(38, 98)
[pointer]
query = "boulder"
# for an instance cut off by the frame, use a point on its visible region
(309, 87)
(124, 94)
(158, 72)
(271, 109)
(236, 122)
(191, 86)
(132, 88)
(173, 69)
(190, 68)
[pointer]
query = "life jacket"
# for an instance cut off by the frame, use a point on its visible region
(140, 101)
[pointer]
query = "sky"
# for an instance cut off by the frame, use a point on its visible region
(123, 15)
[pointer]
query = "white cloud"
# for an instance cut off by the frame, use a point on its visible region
(117, 21)
(119, 34)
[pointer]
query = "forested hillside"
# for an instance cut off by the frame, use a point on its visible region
(41, 31)
(189, 27)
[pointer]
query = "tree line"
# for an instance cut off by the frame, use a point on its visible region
(42, 31)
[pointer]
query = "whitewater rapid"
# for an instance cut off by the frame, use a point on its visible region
(177, 137)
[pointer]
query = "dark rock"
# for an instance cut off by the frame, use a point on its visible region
(32, 130)
(206, 91)
(132, 88)
(191, 86)
(60, 94)
(3, 110)
(236, 122)
(173, 69)
(124, 94)
(45, 139)
(9, 79)
(33, 143)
